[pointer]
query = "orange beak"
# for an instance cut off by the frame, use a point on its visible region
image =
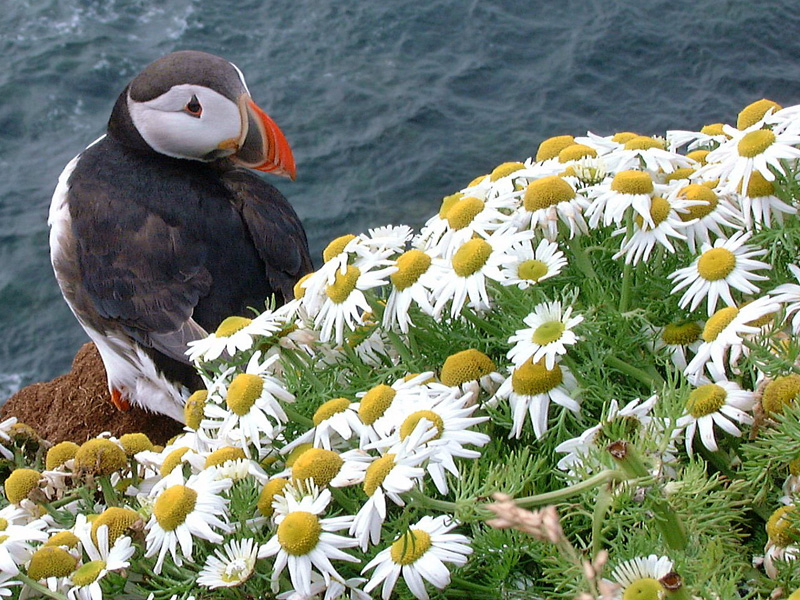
(262, 145)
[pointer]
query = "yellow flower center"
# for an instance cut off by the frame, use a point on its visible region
(410, 423)
(133, 443)
(63, 538)
(20, 483)
(698, 155)
(194, 409)
(411, 266)
(706, 399)
(471, 257)
(51, 561)
(645, 588)
(716, 264)
(713, 129)
(532, 379)
(681, 334)
(643, 142)
(754, 143)
(412, 545)
(299, 290)
(505, 169)
(172, 460)
(317, 464)
(699, 193)
(299, 532)
(336, 247)
(550, 147)
(88, 572)
(273, 488)
(173, 506)
(678, 174)
(794, 467)
(377, 472)
(548, 332)
(100, 457)
(576, 152)
(243, 392)
(546, 192)
(375, 402)
(758, 186)
(659, 211)
(753, 113)
(59, 454)
(623, 137)
(448, 202)
(718, 322)
(780, 529)
(467, 365)
(343, 284)
(532, 270)
(330, 408)
(479, 179)
(464, 211)
(632, 182)
(231, 325)
(117, 519)
(779, 393)
(222, 455)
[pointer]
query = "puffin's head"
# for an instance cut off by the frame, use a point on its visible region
(196, 106)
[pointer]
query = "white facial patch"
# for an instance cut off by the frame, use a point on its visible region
(169, 129)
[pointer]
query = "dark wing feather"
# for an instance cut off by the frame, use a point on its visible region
(275, 228)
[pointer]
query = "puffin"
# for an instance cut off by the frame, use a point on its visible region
(161, 228)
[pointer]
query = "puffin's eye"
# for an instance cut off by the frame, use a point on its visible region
(193, 107)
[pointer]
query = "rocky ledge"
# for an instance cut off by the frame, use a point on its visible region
(77, 406)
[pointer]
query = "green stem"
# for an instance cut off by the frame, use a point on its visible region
(601, 507)
(468, 585)
(109, 494)
(668, 522)
(483, 324)
(400, 346)
(42, 589)
(580, 259)
(573, 490)
(631, 371)
(297, 417)
(301, 366)
(627, 270)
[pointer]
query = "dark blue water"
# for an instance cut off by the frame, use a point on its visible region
(388, 105)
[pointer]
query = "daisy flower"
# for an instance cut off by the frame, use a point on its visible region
(530, 389)
(676, 339)
(6, 581)
(781, 539)
(463, 277)
(788, 294)
(525, 266)
(388, 476)
(666, 215)
(722, 403)
(17, 532)
(707, 212)
(644, 152)
(234, 334)
(336, 588)
(304, 541)
(230, 565)
(639, 577)
(576, 449)
(755, 149)
(724, 332)
(412, 281)
(728, 263)
(5, 439)
(709, 136)
(631, 189)
(338, 417)
(419, 555)
(86, 579)
(548, 334)
(549, 200)
(760, 203)
(252, 412)
(184, 509)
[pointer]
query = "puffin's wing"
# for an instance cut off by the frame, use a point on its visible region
(139, 272)
(275, 228)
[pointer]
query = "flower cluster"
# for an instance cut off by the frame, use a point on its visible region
(594, 328)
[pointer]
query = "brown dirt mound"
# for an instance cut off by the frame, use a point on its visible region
(77, 406)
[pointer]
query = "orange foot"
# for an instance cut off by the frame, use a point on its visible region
(120, 401)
